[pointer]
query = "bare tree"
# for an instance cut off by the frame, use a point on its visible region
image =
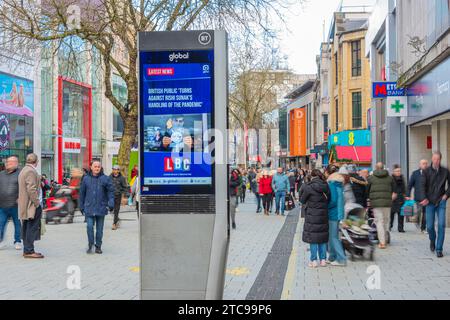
(111, 28)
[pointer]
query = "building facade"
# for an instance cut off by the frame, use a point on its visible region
(20, 104)
(388, 133)
(350, 87)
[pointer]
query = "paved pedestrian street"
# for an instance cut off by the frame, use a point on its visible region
(112, 275)
(266, 260)
(407, 269)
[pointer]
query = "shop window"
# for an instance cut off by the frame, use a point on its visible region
(356, 58)
(356, 110)
(337, 114)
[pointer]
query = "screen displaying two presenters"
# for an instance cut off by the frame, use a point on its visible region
(176, 113)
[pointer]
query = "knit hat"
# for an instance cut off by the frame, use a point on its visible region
(343, 170)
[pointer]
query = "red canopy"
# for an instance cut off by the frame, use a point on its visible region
(357, 154)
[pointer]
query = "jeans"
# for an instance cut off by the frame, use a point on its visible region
(432, 211)
(117, 203)
(258, 201)
(5, 213)
(337, 252)
(98, 221)
(280, 195)
(320, 249)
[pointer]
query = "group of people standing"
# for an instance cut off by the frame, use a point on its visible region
(327, 198)
(22, 200)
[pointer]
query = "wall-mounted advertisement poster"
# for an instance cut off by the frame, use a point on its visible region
(16, 114)
(17, 96)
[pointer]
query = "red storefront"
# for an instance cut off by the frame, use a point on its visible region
(74, 126)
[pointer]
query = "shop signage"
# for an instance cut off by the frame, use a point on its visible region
(4, 132)
(397, 107)
(382, 90)
(358, 138)
(71, 145)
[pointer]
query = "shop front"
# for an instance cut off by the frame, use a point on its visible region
(74, 127)
(16, 117)
(351, 147)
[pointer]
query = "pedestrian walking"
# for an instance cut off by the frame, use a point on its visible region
(234, 186)
(30, 206)
(380, 191)
(316, 195)
(244, 182)
(9, 195)
(292, 177)
(121, 189)
(280, 186)
(265, 190)
(359, 186)
(135, 191)
(416, 182)
(96, 198)
(397, 204)
(299, 180)
(437, 191)
(336, 183)
(253, 178)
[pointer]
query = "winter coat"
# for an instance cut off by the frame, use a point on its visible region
(315, 195)
(9, 186)
(280, 182)
(96, 195)
(29, 190)
(120, 185)
(380, 189)
(359, 187)
(265, 185)
(416, 182)
(434, 184)
(292, 182)
(234, 184)
(336, 204)
(400, 190)
(252, 178)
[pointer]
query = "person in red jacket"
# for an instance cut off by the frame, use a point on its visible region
(265, 190)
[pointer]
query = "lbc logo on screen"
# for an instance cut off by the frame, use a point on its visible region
(176, 164)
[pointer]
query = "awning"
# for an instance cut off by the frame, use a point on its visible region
(356, 154)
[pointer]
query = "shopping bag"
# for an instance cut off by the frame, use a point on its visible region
(43, 229)
(290, 203)
(409, 208)
(130, 200)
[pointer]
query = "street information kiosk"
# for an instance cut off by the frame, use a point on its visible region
(184, 228)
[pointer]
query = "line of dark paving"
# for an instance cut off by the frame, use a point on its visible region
(270, 280)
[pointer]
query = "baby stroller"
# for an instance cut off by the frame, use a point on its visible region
(357, 235)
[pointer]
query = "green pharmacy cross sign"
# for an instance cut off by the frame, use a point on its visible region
(397, 106)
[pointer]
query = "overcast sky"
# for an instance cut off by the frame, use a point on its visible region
(301, 43)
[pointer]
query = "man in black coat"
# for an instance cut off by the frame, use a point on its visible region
(416, 182)
(315, 195)
(399, 188)
(359, 186)
(120, 189)
(437, 191)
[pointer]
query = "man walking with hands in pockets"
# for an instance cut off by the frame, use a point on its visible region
(437, 191)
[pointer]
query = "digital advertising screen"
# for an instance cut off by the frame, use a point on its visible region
(176, 112)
